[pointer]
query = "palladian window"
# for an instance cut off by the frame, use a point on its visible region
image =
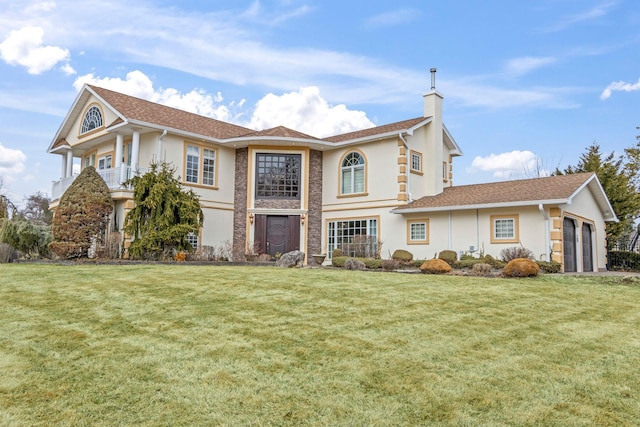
(92, 120)
(352, 174)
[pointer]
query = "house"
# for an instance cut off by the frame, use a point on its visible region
(367, 192)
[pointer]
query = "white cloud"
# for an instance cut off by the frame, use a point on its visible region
(619, 86)
(306, 111)
(24, 47)
(257, 13)
(588, 15)
(12, 163)
(524, 65)
(138, 84)
(508, 165)
(393, 18)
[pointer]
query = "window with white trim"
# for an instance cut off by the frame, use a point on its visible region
(418, 231)
(92, 120)
(352, 177)
(200, 165)
(192, 239)
(104, 162)
(355, 237)
(504, 228)
(416, 161)
(90, 160)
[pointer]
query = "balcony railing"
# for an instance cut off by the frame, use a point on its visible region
(112, 177)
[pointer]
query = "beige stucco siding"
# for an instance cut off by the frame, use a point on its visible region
(217, 228)
(381, 173)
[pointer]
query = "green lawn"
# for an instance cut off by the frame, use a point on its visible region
(197, 345)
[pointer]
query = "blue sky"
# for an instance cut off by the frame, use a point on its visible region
(526, 85)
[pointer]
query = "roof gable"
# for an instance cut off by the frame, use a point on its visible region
(379, 130)
(134, 109)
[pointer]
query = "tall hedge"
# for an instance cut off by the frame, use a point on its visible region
(82, 214)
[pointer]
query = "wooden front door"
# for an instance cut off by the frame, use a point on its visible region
(569, 245)
(587, 248)
(277, 233)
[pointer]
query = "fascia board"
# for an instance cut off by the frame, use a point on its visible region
(481, 206)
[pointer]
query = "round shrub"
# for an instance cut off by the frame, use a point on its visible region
(435, 266)
(521, 267)
(390, 264)
(336, 253)
(354, 264)
(449, 256)
(338, 261)
(402, 255)
(481, 269)
(495, 263)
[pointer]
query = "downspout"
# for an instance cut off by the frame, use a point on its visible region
(450, 245)
(547, 237)
(159, 146)
(406, 155)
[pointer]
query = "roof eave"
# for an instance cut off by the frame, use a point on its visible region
(480, 206)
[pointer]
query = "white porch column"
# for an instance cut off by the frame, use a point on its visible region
(63, 169)
(135, 152)
(119, 150)
(69, 164)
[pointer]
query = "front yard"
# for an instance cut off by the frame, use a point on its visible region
(198, 345)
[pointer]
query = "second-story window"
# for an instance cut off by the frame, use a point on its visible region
(352, 174)
(200, 165)
(92, 120)
(277, 176)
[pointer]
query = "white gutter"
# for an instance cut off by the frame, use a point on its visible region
(479, 206)
(547, 237)
(159, 145)
(408, 172)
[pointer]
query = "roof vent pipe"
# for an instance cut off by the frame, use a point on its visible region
(433, 78)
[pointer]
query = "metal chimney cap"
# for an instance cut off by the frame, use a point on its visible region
(433, 78)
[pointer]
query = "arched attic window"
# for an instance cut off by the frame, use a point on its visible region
(92, 120)
(352, 174)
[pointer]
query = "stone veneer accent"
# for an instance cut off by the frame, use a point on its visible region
(240, 204)
(314, 215)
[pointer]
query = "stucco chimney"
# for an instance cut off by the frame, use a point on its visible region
(434, 142)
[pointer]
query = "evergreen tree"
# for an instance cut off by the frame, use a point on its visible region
(619, 179)
(82, 215)
(163, 216)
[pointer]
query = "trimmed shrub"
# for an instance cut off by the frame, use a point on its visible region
(449, 256)
(417, 262)
(390, 264)
(495, 263)
(402, 255)
(549, 267)
(81, 216)
(467, 263)
(338, 261)
(481, 269)
(435, 266)
(354, 264)
(7, 253)
(336, 253)
(521, 267)
(515, 252)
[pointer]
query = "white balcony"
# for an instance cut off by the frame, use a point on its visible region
(111, 176)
